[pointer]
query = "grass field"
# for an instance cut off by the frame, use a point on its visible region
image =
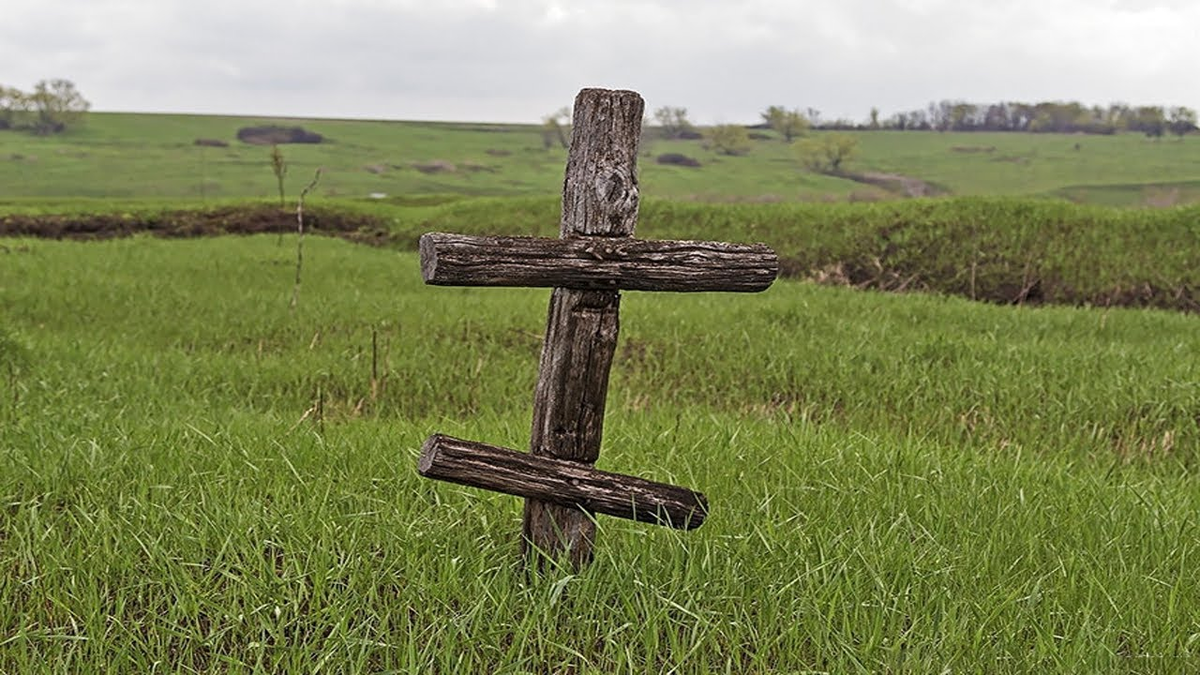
(900, 483)
(194, 478)
(1003, 250)
(138, 156)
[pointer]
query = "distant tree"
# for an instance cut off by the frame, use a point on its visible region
(964, 116)
(1181, 121)
(13, 105)
(939, 115)
(996, 117)
(1117, 115)
(556, 127)
(874, 120)
(647, 137)
(729, 139)
(1023, 116)
(914, 120)
(54, 106)
(787, 123)
(674, 122)
(1150, 120)
(826, 154)
(898, 121)
(1061, 117)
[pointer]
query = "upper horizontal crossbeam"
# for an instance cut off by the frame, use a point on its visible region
(596, 263)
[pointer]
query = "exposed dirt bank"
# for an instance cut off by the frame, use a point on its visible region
(257, 219)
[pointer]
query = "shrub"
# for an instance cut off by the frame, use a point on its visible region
(272, 134)
(729, 139)
(677, 159)
(52, 107)
(827, 154)
(211, 143)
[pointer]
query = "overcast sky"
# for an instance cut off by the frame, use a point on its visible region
(517, 60)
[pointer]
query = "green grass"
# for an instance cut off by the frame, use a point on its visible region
(1133, 194)
(1031, 164)
(996, 249)
(1004, 250)
(141, 156)
(127, 156)
(899, 483)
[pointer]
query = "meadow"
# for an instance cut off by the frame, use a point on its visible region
(198, 479)
(1005, 250)
(140, 156)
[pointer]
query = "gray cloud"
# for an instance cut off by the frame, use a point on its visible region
(515, 61)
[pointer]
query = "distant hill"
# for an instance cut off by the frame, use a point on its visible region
(136, 156)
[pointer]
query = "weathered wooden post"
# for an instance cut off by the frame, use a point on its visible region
(593, 259)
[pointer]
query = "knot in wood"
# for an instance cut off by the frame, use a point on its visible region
(617, 192)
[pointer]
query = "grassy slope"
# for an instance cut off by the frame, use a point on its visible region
(149, 156)
(1002, 250)
(900, 483)
(998, 249)
(1012, 164)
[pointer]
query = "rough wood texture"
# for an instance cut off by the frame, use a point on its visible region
(568, 414)
(600, 192)
(570, 485)
(600, 198)
(596, 263)
(570, 395)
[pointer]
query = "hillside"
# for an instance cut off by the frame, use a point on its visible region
(197, 478)
(145, 156)
(208, 444)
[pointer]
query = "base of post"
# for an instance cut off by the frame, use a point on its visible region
(552, 534)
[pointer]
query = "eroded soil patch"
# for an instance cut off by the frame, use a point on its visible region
(962, 252)
(897, 184)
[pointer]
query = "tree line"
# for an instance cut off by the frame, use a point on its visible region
(52, 107)
(1058, 117)
(826, 154)
(1046, 117)
(829, 152)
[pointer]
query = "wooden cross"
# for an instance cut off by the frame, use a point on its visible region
(595, 258)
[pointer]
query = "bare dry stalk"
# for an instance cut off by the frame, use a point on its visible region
(300, 237)
(374, 366)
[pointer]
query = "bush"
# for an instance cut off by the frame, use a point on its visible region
(729, 139)
(210, 143)
(52, 107)
(677, 159)
(827, 154)
(272, 134)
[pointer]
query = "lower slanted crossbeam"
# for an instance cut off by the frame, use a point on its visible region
(563, 482)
